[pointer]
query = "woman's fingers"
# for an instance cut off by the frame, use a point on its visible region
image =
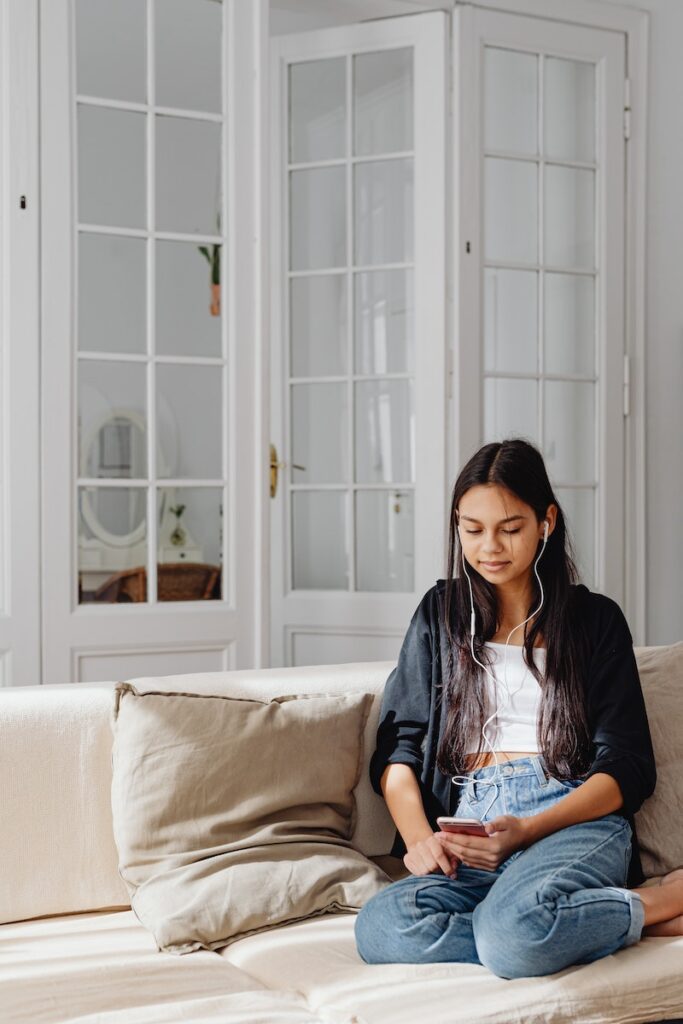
(428, 856)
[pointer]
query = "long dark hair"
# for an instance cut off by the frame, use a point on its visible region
(562, 732)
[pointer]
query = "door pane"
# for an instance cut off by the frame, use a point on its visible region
(384, 341)
(385, 557)
(112, 289)
(189, 421)
(190, 538)
(383, 212)
(510, 101)
(569, 324)
(569, 229)
(319, 549)
(317, 220)
(317, 110)
(318, 319)
(112, 420)
(188, 37)
(383, 102)
(112, 544)
(510, 210)
(188, 175)
(569, 109)
(570, 430)
(188, 299)
(385, 431)
(111, 167)
(578, 505)
(319, 433)
(510, 408)
(111, 44)
(510, 321)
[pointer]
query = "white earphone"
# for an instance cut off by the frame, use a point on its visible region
(461, 780)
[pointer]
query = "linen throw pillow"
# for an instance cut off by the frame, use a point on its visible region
(659, 822)
(232, 815)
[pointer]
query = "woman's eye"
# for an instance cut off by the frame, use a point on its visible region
(504, 531)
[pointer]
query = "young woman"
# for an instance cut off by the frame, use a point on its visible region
(516, 701)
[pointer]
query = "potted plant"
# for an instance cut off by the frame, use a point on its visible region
(212, 255)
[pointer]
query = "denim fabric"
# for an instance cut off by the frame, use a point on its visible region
(562, 901)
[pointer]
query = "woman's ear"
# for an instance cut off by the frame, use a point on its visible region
(550, 518)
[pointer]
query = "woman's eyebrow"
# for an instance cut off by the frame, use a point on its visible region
(509, 519)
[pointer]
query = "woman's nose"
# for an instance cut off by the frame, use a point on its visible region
(491, 544)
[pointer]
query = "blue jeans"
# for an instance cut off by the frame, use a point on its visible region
(560, 902)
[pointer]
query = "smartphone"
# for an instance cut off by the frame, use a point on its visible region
(467, 826)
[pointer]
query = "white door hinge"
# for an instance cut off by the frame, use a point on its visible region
(627, 108)
(627, 386)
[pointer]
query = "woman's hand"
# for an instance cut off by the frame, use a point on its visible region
(428, 855)
(506, 834)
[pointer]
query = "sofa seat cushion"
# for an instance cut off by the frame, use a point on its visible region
(319, 959)
(104, 967)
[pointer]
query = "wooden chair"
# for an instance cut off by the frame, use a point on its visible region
(176, 581)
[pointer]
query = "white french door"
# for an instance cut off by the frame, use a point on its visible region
(540, 250)
(358, 380)
(150, 557)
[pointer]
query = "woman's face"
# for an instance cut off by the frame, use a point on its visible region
(499, 533)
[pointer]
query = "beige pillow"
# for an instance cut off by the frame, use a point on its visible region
(659, 823)
(231, 816)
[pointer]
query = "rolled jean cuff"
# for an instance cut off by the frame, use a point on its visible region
(637, 909)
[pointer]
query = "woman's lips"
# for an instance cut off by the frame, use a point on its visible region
(493, 566)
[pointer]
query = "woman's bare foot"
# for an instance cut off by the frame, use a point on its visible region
(664, 915)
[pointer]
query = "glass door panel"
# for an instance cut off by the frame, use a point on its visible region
(510, 210)
(510, 320)
(319, 430)
(540, 272)
(150, 308)
(190, 543)
(112, 283)
(357, 430)
(188, 36)
(111, 49)
(188, 302)
(383, 102)
(318, 309)
(317, 110)
(510, 101)
(317, 226)
(188, 170)
(112, 545)
(319, 556)
(569, 109)
(111, 167)
(384, 341)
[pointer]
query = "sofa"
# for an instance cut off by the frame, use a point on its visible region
(72, 949)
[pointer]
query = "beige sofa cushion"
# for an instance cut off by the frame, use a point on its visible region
(234, 815)
(659, 823)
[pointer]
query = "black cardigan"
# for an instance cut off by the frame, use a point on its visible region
(412, 716)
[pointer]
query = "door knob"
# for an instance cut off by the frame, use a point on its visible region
(274, 467)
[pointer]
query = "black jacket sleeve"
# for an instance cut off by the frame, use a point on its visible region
(616, 712)
(404, 714)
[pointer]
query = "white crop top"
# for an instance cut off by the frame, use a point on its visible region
(514, 728)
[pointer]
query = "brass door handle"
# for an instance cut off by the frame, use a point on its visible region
(274, 466)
